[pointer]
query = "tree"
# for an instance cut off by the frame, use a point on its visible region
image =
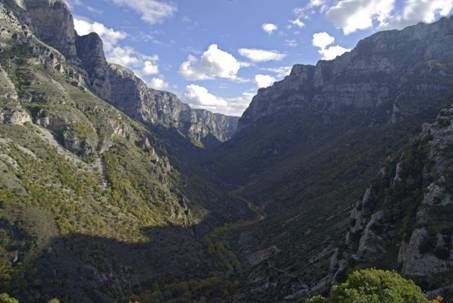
(5, 298)
(374, 286)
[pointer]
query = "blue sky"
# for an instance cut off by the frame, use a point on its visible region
(214, 54)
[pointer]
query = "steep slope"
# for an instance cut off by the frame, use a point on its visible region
(91, 207)
(51, 22)
(130, 94)
(308, 146)
(403, 221)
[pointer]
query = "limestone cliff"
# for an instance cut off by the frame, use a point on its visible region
(403, 222)
(51, 21)
(382, 74)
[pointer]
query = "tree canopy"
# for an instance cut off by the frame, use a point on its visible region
(374, 286)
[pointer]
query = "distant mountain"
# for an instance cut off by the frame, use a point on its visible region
(51, 22)
(112, 191)
(307, 147)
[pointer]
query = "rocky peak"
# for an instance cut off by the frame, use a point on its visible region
(52, 22)
(384, 70)
(90, 51)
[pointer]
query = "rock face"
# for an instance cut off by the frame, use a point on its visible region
(386, 69)
(134, 97)
(308, 146)
(52, 22)
(402, 222)
(83, 186)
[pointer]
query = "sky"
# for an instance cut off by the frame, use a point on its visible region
(216, 54)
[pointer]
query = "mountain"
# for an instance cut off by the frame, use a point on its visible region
(130, 94)
(92, 206)
(403, 221)
(308, 146)
(52, 23)
(111, 191)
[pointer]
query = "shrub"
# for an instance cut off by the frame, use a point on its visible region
(5, 298)
(374, 286)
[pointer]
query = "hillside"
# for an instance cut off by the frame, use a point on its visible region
(111, 191)
(403, 221)
(89, 198)
(308, 146)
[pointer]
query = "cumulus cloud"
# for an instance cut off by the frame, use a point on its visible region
(314, 3)
(214, 63)
(269, 28)
(237, 105)
(264, 80)
(152, 11)
(416, 11)
(151, 66)
(158, 83)
(353, 15)
(260, 55)
(332, 52)
(324, 42)
(200, 97)
(280, 72)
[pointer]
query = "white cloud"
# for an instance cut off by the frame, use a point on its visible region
(353, 15)
(269, 28)
(280, 72)
(324, 42)
(158, 83)
(332, 52)
(199, 97)
(109, 36)
(297, 23)
(237, 105)
(259, 55)
(152, 11)
(214, 63)
(264, 80)
(427, 11)
(151, 66)
(141, 64)
(315, 3)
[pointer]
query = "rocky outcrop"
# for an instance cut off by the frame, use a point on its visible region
(403, 221)
(51, 21)
(131, 95)
(90, 50)
(386, 73)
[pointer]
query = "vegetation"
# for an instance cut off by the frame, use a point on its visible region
(374, 286)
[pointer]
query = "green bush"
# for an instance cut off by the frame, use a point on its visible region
(5, 298)
(374, 286)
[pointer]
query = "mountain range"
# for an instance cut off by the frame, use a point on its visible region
(111, 191)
